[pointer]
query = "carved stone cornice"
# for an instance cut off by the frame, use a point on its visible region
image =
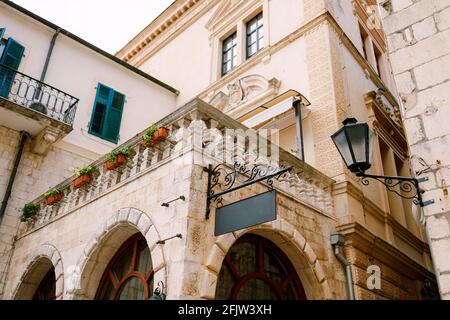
(392, 132)
(349, 187)
(362, 239)
(366, 11)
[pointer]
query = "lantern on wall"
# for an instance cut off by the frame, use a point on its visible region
(354, 143)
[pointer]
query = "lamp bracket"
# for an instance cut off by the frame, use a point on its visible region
(406, 188)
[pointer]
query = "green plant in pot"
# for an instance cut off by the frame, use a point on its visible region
(53, 196)
(154, 135)
(28, 211)
(116, 158)
(83, 176)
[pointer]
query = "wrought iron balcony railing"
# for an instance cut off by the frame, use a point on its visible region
(36, 95)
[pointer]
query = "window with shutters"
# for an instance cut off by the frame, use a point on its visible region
(107, 114)
(2, 42)
(11, 56)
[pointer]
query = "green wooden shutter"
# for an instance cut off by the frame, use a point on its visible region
(100, 110)
(107, 114)
(114, 117)
(11, 57)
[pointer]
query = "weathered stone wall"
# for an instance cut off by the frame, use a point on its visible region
(419, 42)
(80, 243)
(35, 175)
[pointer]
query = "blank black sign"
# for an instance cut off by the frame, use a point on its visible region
(246, 213)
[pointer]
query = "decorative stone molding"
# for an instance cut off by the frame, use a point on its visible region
(113, 232)
(224, 9)
(156, 28)
(363, 249)
(291, 238)
(386, 121)
(45, 139)
(47, 252)
(245, 92)
(367, 11)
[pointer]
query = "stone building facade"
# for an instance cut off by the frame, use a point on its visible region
(47, 103)
(418, 34)
(238, 67)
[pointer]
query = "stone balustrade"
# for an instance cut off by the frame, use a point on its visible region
(195, 128)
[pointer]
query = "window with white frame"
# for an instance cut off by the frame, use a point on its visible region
(255, 35)
(229, 53)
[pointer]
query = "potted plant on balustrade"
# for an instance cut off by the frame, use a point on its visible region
(154, 135)
(116, 158)
(53, 196)
(83, 176)
(28, 211)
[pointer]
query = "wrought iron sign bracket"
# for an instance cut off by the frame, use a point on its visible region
(237, 178)
(400, 186)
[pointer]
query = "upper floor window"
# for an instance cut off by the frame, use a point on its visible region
(365, 40)
(107, 114)
(255, 35)
(11, 53)
(378, 61)
(2, 44)
(229, 53)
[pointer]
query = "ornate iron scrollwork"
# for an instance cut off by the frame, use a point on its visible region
(222, 179)
(406, 188)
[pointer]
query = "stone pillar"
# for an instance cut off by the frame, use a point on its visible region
(419, 43)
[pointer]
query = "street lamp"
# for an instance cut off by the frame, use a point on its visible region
(354, 142)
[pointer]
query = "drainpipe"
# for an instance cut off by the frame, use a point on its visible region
(297, 105)
(337, 241)
(47, 61)
(23, 139)
(49, 54)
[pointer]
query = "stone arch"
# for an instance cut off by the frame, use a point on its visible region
(289, 240)
(40, 261)
(104, 244)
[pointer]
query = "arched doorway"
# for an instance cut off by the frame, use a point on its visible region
(47, 287)
(39, 282)
(129, 275)
(256, 269)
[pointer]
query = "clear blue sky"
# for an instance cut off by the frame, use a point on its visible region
(108, 24)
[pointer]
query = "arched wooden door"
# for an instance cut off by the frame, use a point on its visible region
(129, 275)
(256, 269)
(47, 287)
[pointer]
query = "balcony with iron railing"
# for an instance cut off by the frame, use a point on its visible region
(193, 129)
(27, 104)
(35, 95)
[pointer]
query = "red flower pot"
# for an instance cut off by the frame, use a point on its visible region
(82, 180)
(147, 144)
(160, 135)
(50, 200)
(120, 160)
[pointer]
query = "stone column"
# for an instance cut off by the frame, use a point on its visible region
(419, 43)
